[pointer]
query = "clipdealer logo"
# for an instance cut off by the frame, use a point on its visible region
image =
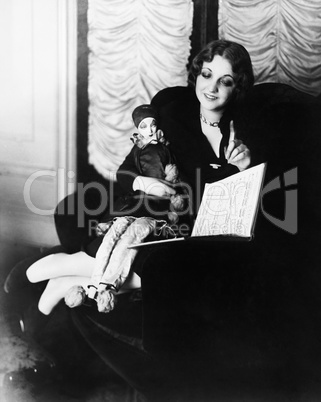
(290, 221)
(78, 205)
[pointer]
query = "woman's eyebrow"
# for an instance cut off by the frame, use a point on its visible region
(224, 75)
(228, 75)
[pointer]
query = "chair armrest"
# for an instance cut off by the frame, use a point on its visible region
(185, 294)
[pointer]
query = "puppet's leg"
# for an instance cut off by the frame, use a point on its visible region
(121, 261)
(61, 264)
(105, 249)
(122, 257)
(56, 290)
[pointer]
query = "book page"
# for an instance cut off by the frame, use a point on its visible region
(229, 206)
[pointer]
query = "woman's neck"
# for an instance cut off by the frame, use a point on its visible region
(210, 128)
(211, 116)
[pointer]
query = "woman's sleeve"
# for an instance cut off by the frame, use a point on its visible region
(127, 172)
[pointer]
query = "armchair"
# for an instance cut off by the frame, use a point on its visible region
(233, 324)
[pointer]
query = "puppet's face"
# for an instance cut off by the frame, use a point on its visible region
(147, 128)
(215, 85)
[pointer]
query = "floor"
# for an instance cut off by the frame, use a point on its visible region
(29, 374)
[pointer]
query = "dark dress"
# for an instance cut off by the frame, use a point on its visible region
(188, 147)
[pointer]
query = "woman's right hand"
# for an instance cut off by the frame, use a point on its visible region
(152, 186)
(237, 153)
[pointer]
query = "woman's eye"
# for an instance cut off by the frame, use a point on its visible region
(205, 75)
(142, 126)
(226, 82)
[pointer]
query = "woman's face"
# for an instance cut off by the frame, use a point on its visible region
(215, 85)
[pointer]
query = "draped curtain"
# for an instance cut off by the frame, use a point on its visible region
(136, 48)
(283, 38)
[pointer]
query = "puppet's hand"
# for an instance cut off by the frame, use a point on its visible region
(171, 173)
(139, 140)
(178, 202)
(102, 228)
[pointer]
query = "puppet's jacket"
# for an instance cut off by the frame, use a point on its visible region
(152, 160)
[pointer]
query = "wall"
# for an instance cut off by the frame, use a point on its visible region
(37, 116)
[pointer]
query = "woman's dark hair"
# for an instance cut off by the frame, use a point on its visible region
(236, 54)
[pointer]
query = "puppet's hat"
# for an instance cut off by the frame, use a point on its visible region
(141, 112)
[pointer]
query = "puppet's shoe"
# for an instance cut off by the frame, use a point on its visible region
(75, 296)
(106, 301)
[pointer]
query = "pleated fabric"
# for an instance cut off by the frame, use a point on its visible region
(283, 38)
(136, 48)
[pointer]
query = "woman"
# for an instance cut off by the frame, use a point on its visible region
(198, 122)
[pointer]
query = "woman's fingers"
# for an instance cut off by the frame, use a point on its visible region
(241, 148)
(232, 142)
(232, 146)
(232, 132)
(237, 153)
(241, 157)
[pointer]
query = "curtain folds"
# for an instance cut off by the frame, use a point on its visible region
(283, 38)
(136, 48)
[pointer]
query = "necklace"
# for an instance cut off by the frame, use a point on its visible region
(209, 123)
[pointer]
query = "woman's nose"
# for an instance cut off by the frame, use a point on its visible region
(213, 86)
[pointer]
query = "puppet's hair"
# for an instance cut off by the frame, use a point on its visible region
(141, 112)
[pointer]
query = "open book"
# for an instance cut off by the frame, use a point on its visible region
(228, 208)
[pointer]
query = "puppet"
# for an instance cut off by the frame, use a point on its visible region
(152, 158)
(113, 259)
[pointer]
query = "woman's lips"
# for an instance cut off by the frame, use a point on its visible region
(210, 97)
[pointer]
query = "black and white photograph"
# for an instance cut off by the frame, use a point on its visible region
(160, 201)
